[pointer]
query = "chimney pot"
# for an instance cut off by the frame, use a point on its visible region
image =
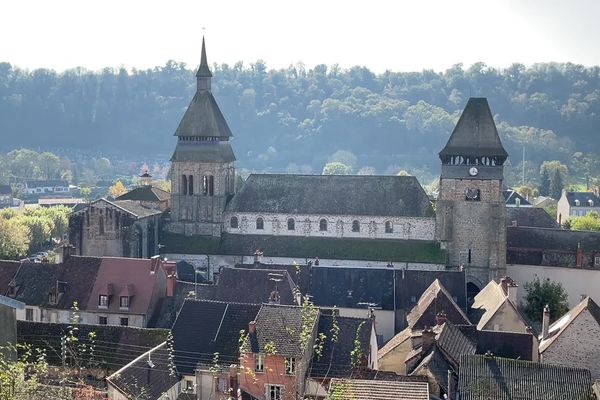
(252, 327)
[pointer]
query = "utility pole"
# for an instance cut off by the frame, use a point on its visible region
(523, 181)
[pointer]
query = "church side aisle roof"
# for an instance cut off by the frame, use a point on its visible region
(475, 133)
(203, 118)
(394, 196)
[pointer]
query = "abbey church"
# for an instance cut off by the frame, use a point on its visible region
(341, 220)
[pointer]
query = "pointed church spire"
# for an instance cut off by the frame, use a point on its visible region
(203, 75)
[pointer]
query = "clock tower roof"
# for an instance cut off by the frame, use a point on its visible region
(475, 134)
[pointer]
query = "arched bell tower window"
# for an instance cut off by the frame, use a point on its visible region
(191, 185)
(389, 228)
(184, 185)
(211, 185)
(355, 226)
(291, 224)
(260, 223)
(233, 222)
(323, 225)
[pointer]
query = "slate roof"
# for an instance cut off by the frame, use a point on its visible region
(482, 377)
(475, 134)
(454, 343)
(433, 300)
(8, 270)
(412, 283)
(511, 196)
(560, 325)
(206, 327)
(145, 193)
(253, 286)
(203, 118)
(335, 360)
(355, 389)
(530, 216)
(34, 281)
(584, 198)
(307, 247)
(130, 206)
(400, 196)
(435, 362)
(280, 326)
(219, 152)
(299, 273)
(203, 70)
(49, 183)
(5, 189)
(506, 344)
(77, 274)
(148, 374)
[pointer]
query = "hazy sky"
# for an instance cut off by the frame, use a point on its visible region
(397, 35)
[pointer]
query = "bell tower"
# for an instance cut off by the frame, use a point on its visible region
(470, 210)
(202, 165)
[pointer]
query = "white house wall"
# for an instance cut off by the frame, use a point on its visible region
(337, 226)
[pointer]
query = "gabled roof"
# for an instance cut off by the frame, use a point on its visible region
(560, 325)
(76, 275)
(253, 286)
(394, 342)
(584, 199)
(278, 329)
(475, 134)
(437, 365)
(483, 378)
(34, 281)
(131, 207)
(123, 276)
(433, 300)
(335, 360)
(204, 328)
(530, 217)
(511, 196)
(148, 374)
(356, 389)
(453, 341)
(412, 283)
(203, 118)
(145, 193)
(487, 303)
(332, 195)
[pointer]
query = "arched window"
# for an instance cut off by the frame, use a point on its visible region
(204, 185)
(184, 185)
(260, 223)
(191, 185)
(101, 225)
(291, 224)
(211, 185)
(323, 225)
(389, 228)
(233, 222)
(355, 226)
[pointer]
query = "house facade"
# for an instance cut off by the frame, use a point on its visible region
(577, 204)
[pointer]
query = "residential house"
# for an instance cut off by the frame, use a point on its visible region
(577, 204)
(119, 228)
(8, 328)
(206, 342)
(149, 376)
(544, 202)
(574, 339)
(49, 186)
(530, 216)
(6, 197)
(512, 198)
(60, 201)
(277, 351)
(359, 389)
(483, 377)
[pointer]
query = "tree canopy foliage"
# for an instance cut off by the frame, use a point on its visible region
(542, 292)
(294, 119)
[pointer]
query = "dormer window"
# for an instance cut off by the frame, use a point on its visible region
(52, 298)
(517, 202)
(12, 289)
(577, 203)
(124, 302)
(591, 202)
(102, 301)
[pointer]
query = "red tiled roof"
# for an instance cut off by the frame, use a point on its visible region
(121, 273)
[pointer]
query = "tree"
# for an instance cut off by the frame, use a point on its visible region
(556, 185)
(14, 239)
(117, 189)
(544, 182)
(540, 293)
(336, 168)
(588, 222)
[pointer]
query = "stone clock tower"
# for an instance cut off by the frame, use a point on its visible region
(470, 210)
(202, 169)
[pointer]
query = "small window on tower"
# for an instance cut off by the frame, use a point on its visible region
(389, 228)
(191, 185)
(260, 223)
(355, 226)
(234, 222)
(211, 185)
(184, 185)
(323, 225)
(291, 224)
(205, 185)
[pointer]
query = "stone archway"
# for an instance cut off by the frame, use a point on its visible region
(473, 287)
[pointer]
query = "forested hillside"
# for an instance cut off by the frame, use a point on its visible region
(297, 119)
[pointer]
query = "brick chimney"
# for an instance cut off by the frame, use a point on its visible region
(440, 318)
(579, 257)
(545, 322)
(428, 339)
(252, 327)
(233, 381)
(170, 269)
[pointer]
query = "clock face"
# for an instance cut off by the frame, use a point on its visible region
(473, 171)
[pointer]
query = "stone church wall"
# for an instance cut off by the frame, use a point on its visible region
(373, 227)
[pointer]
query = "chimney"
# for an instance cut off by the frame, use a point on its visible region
(504, 285)
(512, 292)
(233, 382)
(274, 298)
(440, 318)
(251, 327)
(170, 269)
(258, 257)
(582, 297)
(546, 322)
(428, 339)
(579, 257)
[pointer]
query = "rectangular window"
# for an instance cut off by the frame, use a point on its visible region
(52, 298)
(102, 301)
(274, 392)
(102, 321)
(189, 386)
(124, 321)
(259, 363)
(597, 261)
(124, 302)
(29, 314)
(290, 365)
